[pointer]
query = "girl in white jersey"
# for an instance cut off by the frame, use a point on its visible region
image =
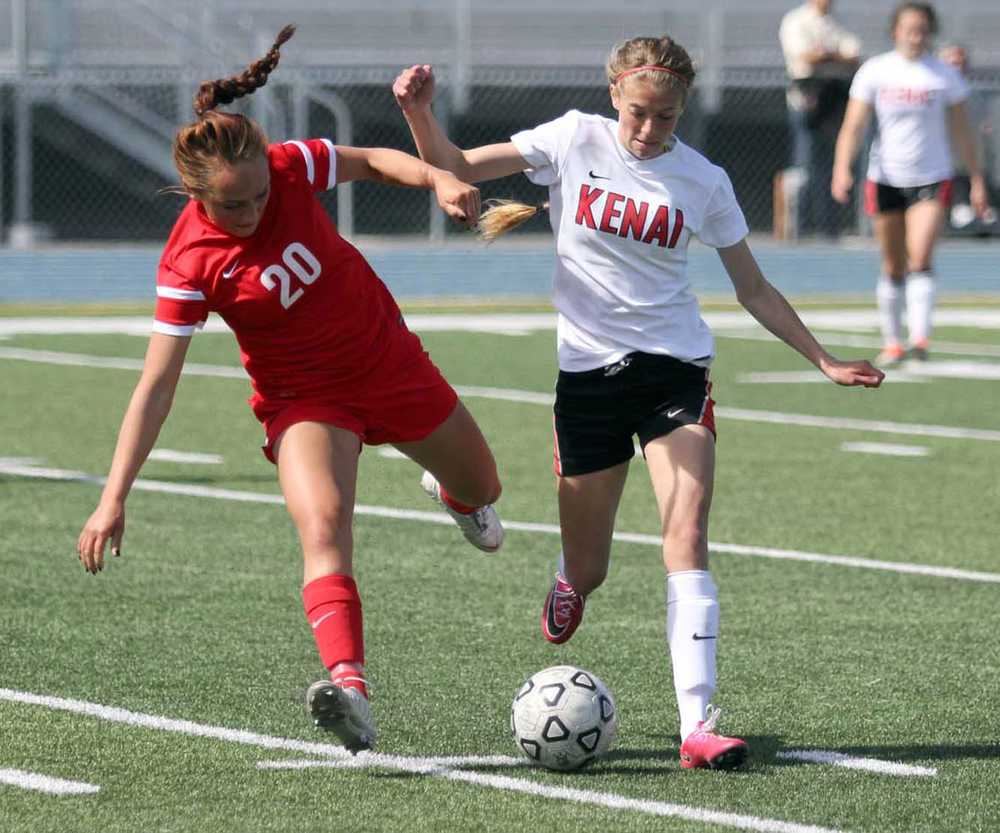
(625, 198)
(918, 101)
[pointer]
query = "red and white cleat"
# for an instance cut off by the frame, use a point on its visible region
(563, 611)
(481, 527)
(703, 748)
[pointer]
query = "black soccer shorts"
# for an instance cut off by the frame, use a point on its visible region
(598, 412)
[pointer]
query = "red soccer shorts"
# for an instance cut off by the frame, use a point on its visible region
(402, 400)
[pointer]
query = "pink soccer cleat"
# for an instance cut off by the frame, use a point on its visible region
(563, 611)
(703, 748)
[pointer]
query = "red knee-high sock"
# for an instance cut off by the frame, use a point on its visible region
(333, 608)
(458, 506)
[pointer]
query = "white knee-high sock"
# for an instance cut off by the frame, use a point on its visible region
(889, 295)
(692, 633)
(920, 292)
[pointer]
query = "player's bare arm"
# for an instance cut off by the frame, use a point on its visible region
(958, 124)
(457, 199)
(414, 91)
(140, 427)
(848, 143)
(773, 311)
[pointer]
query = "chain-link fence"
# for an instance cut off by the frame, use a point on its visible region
(98, 147)
(85, 155)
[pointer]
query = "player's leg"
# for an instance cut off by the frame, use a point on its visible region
(593, 445)
(890, 231)
(461, 474)
(588, 504)
(317, 469)
(924, 221)
(682, 469)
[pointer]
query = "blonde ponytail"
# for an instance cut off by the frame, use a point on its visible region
(501, 216)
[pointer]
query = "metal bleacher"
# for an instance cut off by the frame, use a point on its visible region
(143, 33)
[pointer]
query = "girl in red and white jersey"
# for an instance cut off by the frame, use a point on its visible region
(919, 106)
(625, 199)
(330, 359)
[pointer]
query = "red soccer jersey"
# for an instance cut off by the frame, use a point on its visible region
(310, 315)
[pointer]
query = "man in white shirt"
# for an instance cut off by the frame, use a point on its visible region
(820, 57)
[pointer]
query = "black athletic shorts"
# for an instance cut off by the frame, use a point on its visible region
(880, 197)
(597, 412)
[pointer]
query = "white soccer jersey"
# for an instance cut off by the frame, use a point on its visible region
(911, 100)
(622, 228)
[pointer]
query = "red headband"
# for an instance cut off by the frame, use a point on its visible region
(653, 68)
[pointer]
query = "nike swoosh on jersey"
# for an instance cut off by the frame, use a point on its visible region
(598, 176)
(672, 413)
(229, 272)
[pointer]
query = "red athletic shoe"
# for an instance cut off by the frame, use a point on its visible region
(562, 612)
(703, 748)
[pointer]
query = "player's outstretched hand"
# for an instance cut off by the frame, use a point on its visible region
(414, 87)
(457, 199)
(106, 524)
(852, 373)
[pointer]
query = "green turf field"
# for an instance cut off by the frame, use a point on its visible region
(172, 682)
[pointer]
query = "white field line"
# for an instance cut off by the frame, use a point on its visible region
(812, 377)
(415, 765)
(864, 320)
(888, 449)
(190, 490)
(536, 398)
(910, 371)
(956, 348)
(114, 362)
(365, 761)
(45, 783)
(877, 426)
(819, 756)
(168, 455)
(391, 453)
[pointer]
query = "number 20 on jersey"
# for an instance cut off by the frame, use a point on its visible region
(298, 260)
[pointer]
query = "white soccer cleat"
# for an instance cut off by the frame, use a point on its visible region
(481, 527)
(345, 712)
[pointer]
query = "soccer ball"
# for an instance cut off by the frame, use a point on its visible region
(563, 718)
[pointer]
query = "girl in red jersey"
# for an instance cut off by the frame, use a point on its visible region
(625, 199)
(329, 356)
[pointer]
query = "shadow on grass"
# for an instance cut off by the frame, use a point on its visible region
(658, 761)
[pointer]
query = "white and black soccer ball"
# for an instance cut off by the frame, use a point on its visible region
(563, 718)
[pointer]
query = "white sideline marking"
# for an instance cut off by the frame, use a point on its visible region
(170, 456)
(865, 320)
(21, 461)
(910, 371)
(415, 765)
(429, 763)
(811, 377)
(45, 783)
(888, 449)
(391, 453)
(877, 426)
(957, 348)
(114, 362)
(536, 398)
(520, 526)
(819, 756)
